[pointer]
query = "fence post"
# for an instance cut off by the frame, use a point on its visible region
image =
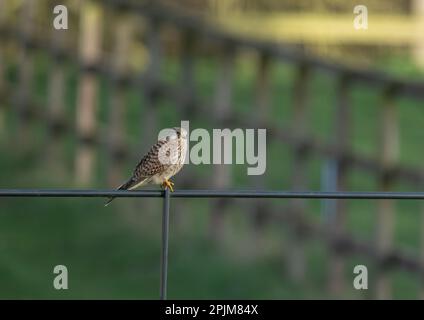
(187, 87)
(260, 115)
(418, 46)
(56, 102)
(389, 152)
(338, 222)
(165, 245)
(3, 130)
(90, 55)
(26, 71)
(222, 111)
(117, 105)
(297, 264)
(151, 90)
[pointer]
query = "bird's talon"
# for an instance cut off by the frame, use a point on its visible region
(168, 184)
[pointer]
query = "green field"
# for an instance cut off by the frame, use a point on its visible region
(114, 252)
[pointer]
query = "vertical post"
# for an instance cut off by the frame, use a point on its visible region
(222, 110)
(418, 47)
(56, 103)
(187, 73)
(150, 117)
(260, 115)
(26, 71)
(116, 143)
(90, 52)
(2, 75)
(421, 276)
(389, 144)
(165, 244)
(297, 264)
(337, 223)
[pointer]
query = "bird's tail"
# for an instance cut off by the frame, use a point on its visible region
(125, 186)
(109, 200)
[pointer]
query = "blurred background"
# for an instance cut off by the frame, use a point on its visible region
(342, 108)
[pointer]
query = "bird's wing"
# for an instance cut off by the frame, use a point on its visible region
(150, 164)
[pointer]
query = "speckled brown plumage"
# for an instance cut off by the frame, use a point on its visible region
(150, 165)
(164, 159)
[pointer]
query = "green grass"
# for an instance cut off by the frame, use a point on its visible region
(115, 252)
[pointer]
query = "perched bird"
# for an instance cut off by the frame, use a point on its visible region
(164, 159)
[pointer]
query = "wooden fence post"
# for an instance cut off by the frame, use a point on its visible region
(389, 153)
(117, 105)
(338, 222)
(151, 90)
(260, 115)
(3, 130)
(297, 263)
(56, 109)
(221, 113)
(418, 46)
(23, 92)
(187, 87)
(90, 55)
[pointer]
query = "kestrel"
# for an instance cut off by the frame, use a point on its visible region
(164, 159)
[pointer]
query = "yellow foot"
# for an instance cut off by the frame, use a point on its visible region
(168, 184)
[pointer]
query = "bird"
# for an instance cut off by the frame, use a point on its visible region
(164, 160)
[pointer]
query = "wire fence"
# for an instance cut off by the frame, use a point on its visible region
(342, 243)
(233, 194)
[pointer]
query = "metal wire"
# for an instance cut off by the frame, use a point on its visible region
(212, 194)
